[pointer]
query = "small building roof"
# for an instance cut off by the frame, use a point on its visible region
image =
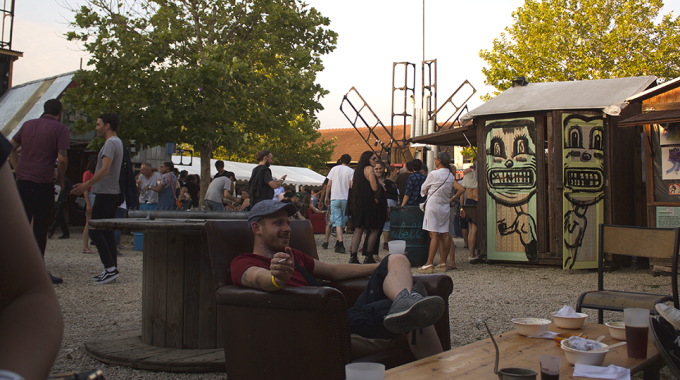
(349, 141)
(25, 101)
(608, 95)
(654, 91)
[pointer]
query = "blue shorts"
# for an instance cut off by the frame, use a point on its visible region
(338, 217)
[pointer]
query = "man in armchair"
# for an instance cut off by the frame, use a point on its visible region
(391, 303)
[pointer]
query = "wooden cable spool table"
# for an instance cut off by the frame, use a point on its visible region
(179, 329)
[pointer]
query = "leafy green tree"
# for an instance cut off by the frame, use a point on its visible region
(232, 74)
(564, 40)
(287, 149)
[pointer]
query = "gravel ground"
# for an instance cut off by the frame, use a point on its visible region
(492, 292)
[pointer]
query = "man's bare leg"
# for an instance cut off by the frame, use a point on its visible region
(328, 233)
(398, 276)
(427, 343)
(338, 230)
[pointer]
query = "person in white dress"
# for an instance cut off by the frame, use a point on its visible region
(437, 187)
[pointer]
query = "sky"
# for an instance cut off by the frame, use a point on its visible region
(372, 35)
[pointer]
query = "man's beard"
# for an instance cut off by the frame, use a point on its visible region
(267, 164)
(272, 242)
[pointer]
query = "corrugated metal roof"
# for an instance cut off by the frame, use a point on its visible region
(587, 94)
(25, 102)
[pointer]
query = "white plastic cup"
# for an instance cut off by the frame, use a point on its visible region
(550, 367)
(365, 371)
(637, 328)
(397, 247)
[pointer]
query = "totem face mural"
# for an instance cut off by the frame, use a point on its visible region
(583, 188)
(511, 185)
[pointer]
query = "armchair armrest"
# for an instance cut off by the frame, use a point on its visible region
(313, 320)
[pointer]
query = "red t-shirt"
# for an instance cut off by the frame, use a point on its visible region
(41, 140)
(240, 264)
(86, 177)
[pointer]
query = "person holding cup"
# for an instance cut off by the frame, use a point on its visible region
(390, 305)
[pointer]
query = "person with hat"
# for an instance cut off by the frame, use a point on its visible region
(391, 304)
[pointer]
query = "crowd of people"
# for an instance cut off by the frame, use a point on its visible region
(364, 196)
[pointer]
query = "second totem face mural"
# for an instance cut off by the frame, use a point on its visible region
(583, 162)
(511, 186)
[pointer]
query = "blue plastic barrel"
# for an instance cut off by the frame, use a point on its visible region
(406, 223)
(138, 241)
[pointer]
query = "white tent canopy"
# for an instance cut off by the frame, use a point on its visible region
(295, 176)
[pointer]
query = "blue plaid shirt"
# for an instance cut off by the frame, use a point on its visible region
(413, 184)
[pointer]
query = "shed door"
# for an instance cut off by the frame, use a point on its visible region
(511, 179)
(583, 174)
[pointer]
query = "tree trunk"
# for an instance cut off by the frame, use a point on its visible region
(206, 154)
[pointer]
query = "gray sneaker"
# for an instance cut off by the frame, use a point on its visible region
(412, 311)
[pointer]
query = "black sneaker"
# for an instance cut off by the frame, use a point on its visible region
(353, 259)
(107, 277)
(55, 280)
(324, 245)
(412, 311)
(64, 237)
(369, 260)
(339, 247)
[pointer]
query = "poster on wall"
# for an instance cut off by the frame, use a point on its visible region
(583, 208)
(670, 162)
(668, 217)
(511, 187)
(669, 134)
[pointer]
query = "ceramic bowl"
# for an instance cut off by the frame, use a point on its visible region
(583, 357)
(617, 330)
(570, 323)
(560, 337)
(531, 326)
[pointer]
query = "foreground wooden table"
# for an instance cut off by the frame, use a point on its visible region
(476, 360)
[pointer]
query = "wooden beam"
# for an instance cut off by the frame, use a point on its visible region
(660, 107)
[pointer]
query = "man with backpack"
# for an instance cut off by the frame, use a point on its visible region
(106, 185)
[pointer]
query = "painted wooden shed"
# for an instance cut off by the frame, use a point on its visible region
(552, 165)
(659, 124)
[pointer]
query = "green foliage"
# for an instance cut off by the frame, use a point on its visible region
(288, 149)
(564, 40)
(228, 74)
(469, 152)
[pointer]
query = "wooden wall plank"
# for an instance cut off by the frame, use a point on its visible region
(160, 288)
(557, 195)
(147, 290)
(541, 187)
(175, 293)
(482, 245)
(207, 313)
(192, 268)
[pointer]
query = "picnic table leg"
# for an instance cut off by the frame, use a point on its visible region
(652, 371)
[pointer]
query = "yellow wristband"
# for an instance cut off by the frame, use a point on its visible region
(275, 284)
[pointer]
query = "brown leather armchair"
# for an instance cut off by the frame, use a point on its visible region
(297, 333)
